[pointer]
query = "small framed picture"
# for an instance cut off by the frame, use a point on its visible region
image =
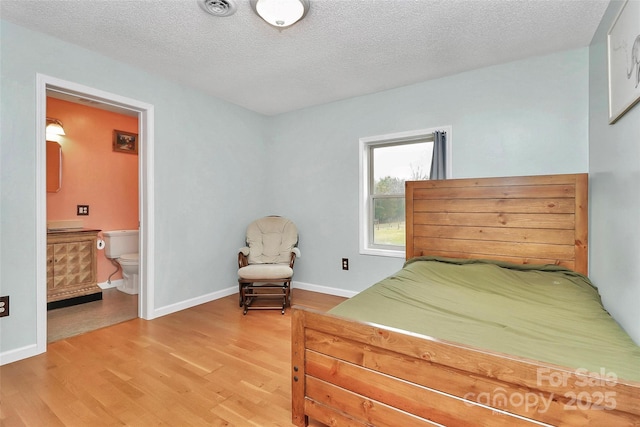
(125, 142)
(623, 42)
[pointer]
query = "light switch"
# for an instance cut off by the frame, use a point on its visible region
(83, 209)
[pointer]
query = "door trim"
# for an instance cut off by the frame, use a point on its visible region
(145, 113)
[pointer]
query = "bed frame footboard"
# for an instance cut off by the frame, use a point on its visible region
(348, 373)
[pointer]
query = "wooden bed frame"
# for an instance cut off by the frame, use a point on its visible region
(349, 373)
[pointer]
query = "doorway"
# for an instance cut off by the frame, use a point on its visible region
(60, 88)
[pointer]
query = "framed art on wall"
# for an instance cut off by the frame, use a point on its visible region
(623, 45)
(125, 142)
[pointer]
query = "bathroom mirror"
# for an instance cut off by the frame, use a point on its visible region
(54, 167)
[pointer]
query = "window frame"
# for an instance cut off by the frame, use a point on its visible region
(367, 247)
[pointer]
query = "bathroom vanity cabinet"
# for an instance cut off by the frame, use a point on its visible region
(72, 267)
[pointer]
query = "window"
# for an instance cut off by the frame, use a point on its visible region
(386, 162)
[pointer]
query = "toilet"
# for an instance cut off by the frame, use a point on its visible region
(122, 246)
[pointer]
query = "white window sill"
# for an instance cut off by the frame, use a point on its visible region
(383, 252)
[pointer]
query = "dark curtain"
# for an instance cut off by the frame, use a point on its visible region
(438, 163)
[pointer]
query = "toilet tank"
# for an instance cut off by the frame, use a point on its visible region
(120, 242)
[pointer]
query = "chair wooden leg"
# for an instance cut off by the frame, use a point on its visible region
(244, 292)
(244, 300)
(249, 293)
(287, 294)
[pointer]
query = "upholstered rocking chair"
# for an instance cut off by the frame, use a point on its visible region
(265, 265)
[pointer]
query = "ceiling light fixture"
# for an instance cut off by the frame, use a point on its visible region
(54, 127)
(281, 13)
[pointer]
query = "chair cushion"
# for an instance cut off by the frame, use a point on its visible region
(265, 271)
(271, 240)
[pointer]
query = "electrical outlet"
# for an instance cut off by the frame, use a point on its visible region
(83, 209)
(4, 306)
(345, 263)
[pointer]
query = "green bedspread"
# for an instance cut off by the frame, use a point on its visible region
(546, 313)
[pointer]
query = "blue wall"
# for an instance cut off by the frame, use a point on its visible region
(218, 166)
(203, 148)
(614, 171)
(522, 118)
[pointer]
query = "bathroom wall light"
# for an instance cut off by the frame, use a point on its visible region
(54, 127)
(281, 13)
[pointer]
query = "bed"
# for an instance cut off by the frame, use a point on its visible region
(349, 371)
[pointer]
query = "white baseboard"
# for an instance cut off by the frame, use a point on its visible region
(323, 289)
(19, 354)
(172, 308)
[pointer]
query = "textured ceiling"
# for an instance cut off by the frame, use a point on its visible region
(341, 49)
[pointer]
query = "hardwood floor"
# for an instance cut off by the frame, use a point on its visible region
(205, 366)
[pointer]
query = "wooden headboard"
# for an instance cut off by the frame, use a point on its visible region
(526, 220)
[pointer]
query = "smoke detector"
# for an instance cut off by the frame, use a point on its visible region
(218, 7)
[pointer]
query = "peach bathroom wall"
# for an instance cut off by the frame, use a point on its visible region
(93, 174)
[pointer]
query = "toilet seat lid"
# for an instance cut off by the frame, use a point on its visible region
(129, 257)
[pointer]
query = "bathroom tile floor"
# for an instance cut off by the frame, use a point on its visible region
(115, 307)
